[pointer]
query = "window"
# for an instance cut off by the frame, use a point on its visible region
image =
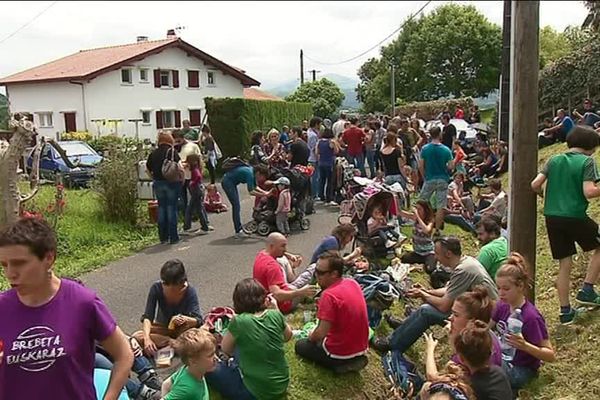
(47, 152)
(195, 119)
(45, 119)
(165, 78)
(145, 117)
(126, 76)
(168, 119)
(210, 78)
(144, 75)
(193, 79)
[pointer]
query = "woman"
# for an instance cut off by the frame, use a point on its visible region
(341, 236)
(210, 149)
(257, 154)
(422, 238)
(326, 150)
(370, 149)
(256, 336)
(275, 151)
(166, 192)
(49, 343)
(392, 159)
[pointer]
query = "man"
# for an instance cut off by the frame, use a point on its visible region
(299, 152)
(589, 116)
(449, 134)
(560, 131)
(187, 147)
(409, 139)
(341, 339)
(188, 132)
(494, 252)
(338, 126)
(467, 273)
(268, 272)
(435, 165)
(354, 138)
(312, 136)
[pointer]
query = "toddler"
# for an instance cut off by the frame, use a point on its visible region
(213, 201)
(284, 205)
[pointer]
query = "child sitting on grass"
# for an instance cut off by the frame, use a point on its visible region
(196, 347)
(213, 201)
(423, 217)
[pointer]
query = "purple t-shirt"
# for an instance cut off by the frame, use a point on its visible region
(52, 347)
(495, 357)
(534, 330)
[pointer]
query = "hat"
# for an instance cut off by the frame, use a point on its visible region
(282, 181)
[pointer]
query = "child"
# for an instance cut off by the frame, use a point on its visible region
(284, 205)
(533, 345)
(196, 347)
(213, 201)
(571, 181)
(422, 238)
(450, 386)
(378, 224)
(196, 189)
(459, 157)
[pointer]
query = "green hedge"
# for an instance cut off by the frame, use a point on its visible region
(428, 110)
(232, 121)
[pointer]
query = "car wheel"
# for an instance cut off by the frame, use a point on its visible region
(263, 228)
(250, 228)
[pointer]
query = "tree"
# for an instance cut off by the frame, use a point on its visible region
(592, 20)
(553, 45)
(324, 95)
(4, 117)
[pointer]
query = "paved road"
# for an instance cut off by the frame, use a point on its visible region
(214, 264)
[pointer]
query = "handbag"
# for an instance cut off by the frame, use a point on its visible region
(171, 170)
(218, 152)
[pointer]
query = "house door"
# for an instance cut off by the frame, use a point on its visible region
(70, 122)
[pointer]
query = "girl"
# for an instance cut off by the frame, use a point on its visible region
(532, 345)
(211, 150)
(459, 157)
(196, 203)
(213, 201)
(422, 238)
(284, 205)
(392, 159)
(326, 150)
(450, 386)
(257, 155)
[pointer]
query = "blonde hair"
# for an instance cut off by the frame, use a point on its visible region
(516, 269)
(194, 343)
(273, 132)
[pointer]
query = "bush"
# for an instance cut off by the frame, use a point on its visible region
(104, 143)
(428, 110)
(80, 135)
(232, 121)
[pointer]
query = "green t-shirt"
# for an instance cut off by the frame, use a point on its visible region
(565, 175)
(190, 134)
(259, 339)
(186, 387)
(493, 255)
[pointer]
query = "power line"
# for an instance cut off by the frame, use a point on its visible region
(28, 22)
(373, 47)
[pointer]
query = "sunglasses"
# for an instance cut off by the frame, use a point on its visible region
(319, 272)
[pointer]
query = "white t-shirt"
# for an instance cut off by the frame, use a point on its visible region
(187, 149)
(338, 127)
(500, 203)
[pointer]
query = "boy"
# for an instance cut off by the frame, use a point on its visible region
(284, 205)
(196, 347)
(571, 179)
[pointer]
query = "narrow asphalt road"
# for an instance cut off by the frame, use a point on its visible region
(214, 264)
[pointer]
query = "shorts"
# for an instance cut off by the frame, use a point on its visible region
(564, 232)
(437, 187)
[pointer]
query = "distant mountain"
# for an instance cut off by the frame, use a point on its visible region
(346, 84)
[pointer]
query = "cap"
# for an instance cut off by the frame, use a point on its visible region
(282, 181)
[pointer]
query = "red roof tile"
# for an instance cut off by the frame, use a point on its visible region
(255, 94)
(87, 64)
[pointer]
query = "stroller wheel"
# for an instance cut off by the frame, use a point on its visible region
(263, 228)
(305, 224)
(250, 228)
(345, 219)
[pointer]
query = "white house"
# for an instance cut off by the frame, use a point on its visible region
(159, 83)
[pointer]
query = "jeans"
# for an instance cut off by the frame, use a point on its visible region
(518, 376)
(415, 325)
(314, 180)
(325, 180)
(358, 160)
(196, 205)
(371, 161)
(211, 172)
(167, 194)
(133, 388)
(283, 225)
(233, 195)
(227, 380)
(183, 196)
(590, 118)
(437, 187)
(461, 222)
(428, 260)
(315, 353)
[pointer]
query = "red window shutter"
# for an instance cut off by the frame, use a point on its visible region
(159, 120)
(175, 79)
(193, 80)
(195, 119)
(177, 119)
(157, 79)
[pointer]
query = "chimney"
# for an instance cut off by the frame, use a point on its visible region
(142, 39)
(171, 34)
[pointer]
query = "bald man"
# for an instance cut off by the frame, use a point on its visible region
(269, 273)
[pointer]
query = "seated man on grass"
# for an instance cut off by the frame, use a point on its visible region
(341, 338)
(270, 274)
(494, 250)
(171, 309)
(467, 273)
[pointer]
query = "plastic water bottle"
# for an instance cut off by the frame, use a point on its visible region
(514, 326)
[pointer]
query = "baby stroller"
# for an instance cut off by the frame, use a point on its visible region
(344, 186)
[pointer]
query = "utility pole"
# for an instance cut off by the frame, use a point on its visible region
(393, 88)
(523, 148)
(314, 73)
(301, 67)
(504, 106)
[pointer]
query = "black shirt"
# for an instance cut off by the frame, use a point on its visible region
(390, 162)
(491, 384)
(158, 310)
(300, 153)
(156, 159)
(448, 135)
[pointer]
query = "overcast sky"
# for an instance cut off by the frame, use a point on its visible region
(263, 38)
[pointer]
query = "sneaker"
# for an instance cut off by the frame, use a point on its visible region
(211, 228)
(354, 365)
(381, 344)
(568, 318)
(201, 232)
(389, 244)
(147, 393)
(241, 235)
(588, 298)
(333, 203)
(150, 378)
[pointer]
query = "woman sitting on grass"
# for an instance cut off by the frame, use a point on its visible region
(423, 217)
(533, 344)
(450, 386)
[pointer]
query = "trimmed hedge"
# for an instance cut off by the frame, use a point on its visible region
(428, 110)
(232, 120)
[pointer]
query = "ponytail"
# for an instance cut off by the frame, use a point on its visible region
(477, 303)
(474, 344)
(516, 269)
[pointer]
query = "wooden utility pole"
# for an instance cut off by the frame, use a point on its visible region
(301, 67)
(314, 74)
(523, 138)
(504, 106)
(393, 88)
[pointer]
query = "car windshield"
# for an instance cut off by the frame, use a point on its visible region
(76, 149)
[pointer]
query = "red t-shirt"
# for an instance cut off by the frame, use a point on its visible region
(343, 305)
(268, 272)
(354, 138)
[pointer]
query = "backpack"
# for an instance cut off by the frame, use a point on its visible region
(406, 381)
(170, 168)
(231, 163)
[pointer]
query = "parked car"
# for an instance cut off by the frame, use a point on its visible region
(82, 158)
(461, 126)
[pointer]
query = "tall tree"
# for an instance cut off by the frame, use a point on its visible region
(592, 20)
(324, 95)
(553, 45)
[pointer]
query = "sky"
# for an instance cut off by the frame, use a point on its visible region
(263, 38)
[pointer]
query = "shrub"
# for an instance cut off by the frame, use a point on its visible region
(428, 110)
(232, 121)
(80, 135)
(104, 143)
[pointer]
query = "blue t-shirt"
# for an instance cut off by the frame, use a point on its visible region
(158, 310)
(329, 243)
(567, 125)
(241, 175)
(326, 155)
(436, 157)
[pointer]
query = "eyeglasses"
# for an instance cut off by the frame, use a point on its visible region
(320, 272)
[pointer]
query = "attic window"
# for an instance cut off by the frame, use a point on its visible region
(126, 76)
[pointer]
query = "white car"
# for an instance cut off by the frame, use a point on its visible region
(460, 124)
